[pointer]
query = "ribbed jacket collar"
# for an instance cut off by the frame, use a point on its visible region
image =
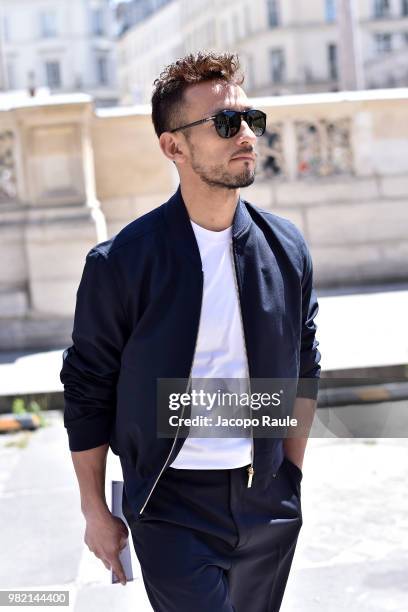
(178, 221)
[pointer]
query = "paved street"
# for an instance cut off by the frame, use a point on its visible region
(352, 552)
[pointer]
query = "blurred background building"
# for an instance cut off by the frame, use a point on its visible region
(114, 50)
(62, 46)
(286, 47)
(149, 37)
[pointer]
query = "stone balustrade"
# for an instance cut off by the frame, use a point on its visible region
(70, 176)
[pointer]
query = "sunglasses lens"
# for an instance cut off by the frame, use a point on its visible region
(221, 123)
(227, 123)
(257, 122)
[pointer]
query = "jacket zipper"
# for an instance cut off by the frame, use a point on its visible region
(250, 468)
(182, 412)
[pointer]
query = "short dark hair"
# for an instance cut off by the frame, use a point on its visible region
(169, 87)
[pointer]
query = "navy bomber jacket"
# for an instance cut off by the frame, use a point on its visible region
(137, 318)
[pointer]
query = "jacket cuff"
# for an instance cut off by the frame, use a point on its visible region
(85, 438)
(308, 387)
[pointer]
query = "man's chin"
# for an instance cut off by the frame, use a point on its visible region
(230, 182)
(242, 182)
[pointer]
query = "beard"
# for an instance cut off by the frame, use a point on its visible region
(217, 175)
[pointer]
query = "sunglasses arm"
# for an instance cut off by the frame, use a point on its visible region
(192, 124)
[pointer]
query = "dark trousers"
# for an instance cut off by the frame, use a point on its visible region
(207, 543)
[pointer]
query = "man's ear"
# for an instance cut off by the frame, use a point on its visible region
(171, 147)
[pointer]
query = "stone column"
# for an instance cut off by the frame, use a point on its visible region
(57, 215)
(350, 52)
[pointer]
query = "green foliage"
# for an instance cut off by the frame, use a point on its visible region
(18, 406)
(21, 406)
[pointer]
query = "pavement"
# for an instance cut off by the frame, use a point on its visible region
(363, 327)
(42, 527)
(352, 552)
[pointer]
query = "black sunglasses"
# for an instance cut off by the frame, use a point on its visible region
(228, 122)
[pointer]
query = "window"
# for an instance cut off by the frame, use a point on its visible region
(249, 73)
(330, 9)
(6, 29)
(210, 35)
(97, 22)
(11, 75)
(383, 43)
(53, 74)
(273, 13)
(225, 33)
(247, 20)
(236, 28)
(381, 8)
(332, 61)
(404, 8)
(48, 24)
(102, 70)
(277, 60)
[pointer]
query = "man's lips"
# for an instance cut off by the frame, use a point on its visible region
(248, 157)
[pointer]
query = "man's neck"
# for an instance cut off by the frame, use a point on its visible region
(211, 209)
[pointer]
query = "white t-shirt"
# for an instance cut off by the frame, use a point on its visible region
(220, 351)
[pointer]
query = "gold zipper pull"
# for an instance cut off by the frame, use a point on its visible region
(251, 473)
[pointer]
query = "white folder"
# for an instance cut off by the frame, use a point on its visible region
(116, 509)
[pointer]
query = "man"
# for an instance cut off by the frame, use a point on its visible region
(205, 286)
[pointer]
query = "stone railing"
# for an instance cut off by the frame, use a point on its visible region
(341, 175)
(335, 164)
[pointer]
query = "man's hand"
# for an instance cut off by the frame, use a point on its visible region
(294, 445)
(106, 535)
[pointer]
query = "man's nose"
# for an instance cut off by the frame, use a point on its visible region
(245, 133)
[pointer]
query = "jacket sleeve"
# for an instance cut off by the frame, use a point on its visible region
(91, 364)
(309, 372)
